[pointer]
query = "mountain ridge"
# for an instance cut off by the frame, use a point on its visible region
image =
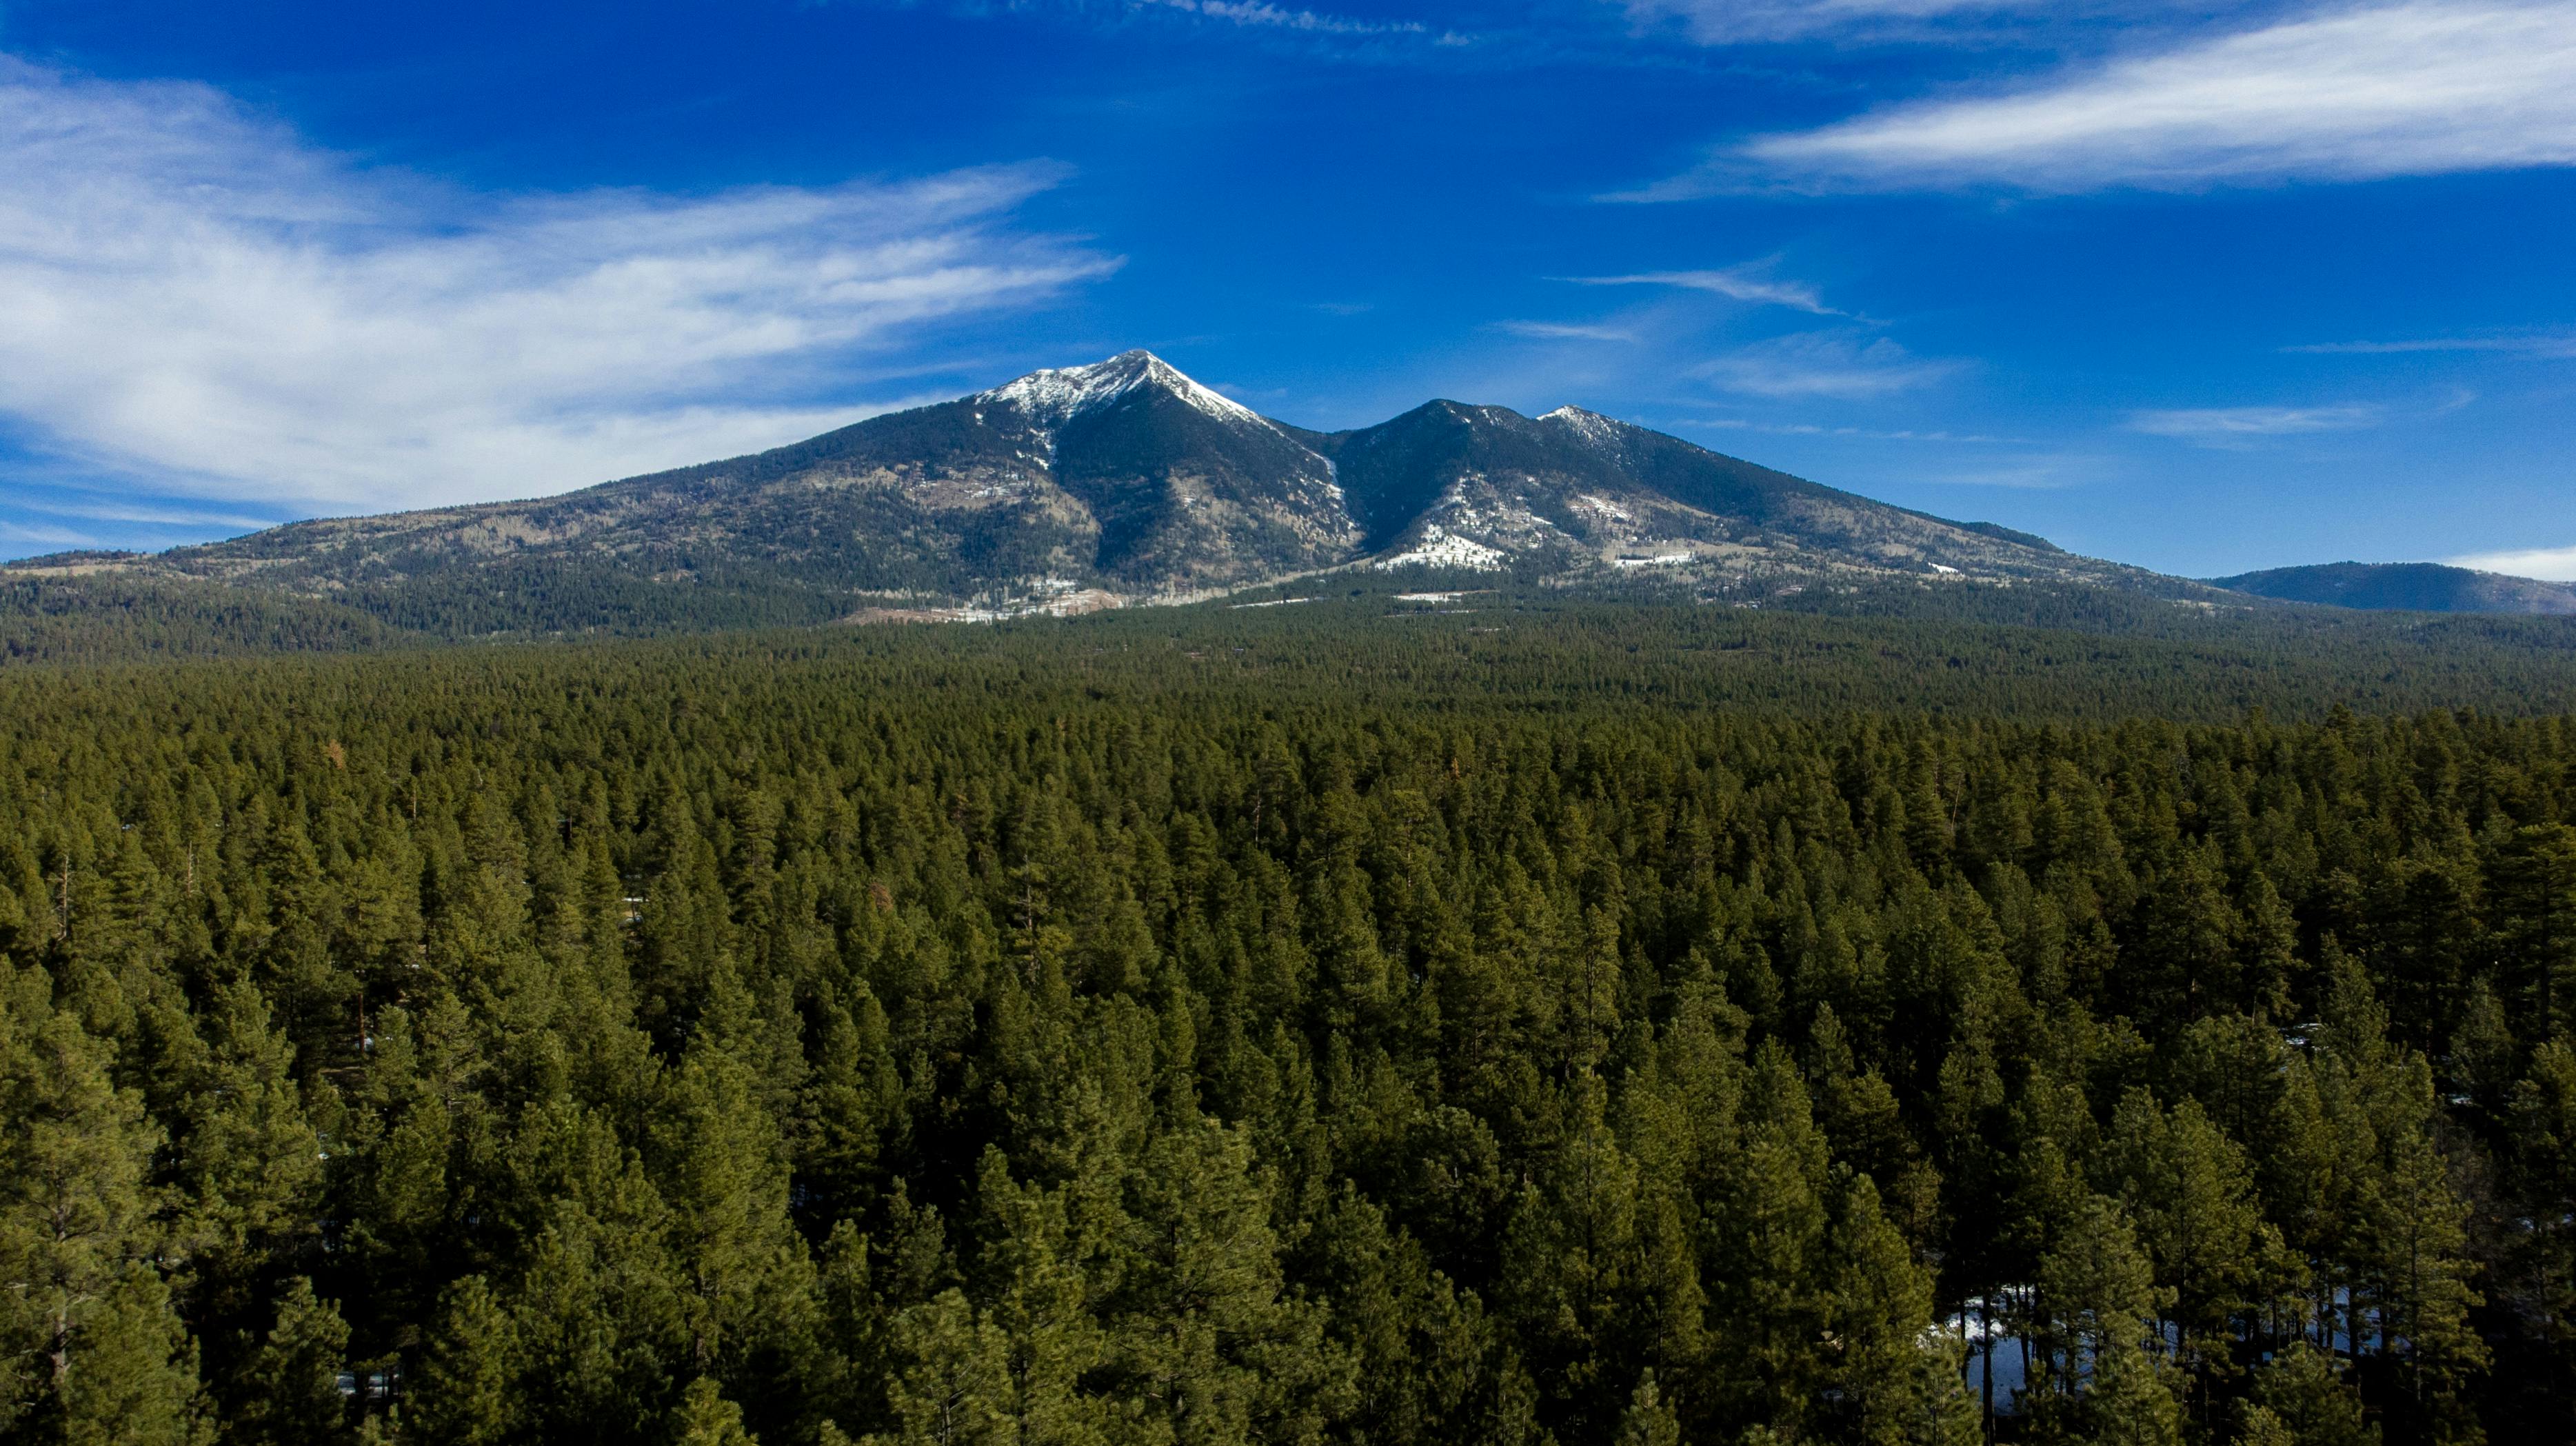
(2406, 586)
(1117, 483)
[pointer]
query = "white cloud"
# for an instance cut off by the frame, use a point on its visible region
(2240, 426)
(2538, 344)
(1262, 13)
(2415, 88)
(1741, 283)
(1728, 22)
(1564, 331)
(198, 297)
(2036, 474)
(164, 516)
(1825, 364)
(42, 536)
(1874, 434)
(2555, 564)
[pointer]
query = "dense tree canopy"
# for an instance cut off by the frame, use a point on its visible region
(729, 1041)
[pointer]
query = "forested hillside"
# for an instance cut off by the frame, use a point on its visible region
(2054, 651)
(2420, 586)
(1031, 1036)
(89, 619)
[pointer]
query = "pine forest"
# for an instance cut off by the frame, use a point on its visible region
(1093, 1033)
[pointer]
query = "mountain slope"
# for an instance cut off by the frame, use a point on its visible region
(1125, 474)
(1115, 483)
(2410, 586)
(1573, 492)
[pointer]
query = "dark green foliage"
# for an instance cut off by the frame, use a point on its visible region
(2035, 651)
(974, 1037)
(85, 618)
(288, 1390)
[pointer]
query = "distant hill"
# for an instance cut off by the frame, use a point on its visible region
(1109, 485)
(2427, 587)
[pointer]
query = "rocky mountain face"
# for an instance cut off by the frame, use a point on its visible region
(2428, 587)
(1117, 483)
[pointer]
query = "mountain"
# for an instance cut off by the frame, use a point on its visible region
(1117, 483)
(2426, 587)
(1573, 493)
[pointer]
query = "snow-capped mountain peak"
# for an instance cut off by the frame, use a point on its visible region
(1055, 395)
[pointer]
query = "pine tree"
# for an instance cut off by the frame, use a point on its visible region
(2301, 1390)
(2543, 1159)
(464, 1387)
(249, 1170)
(954, 1388)
(1042, 1312)
(289, 1388)
(1199, 1316)
(2096, 1292)
(2417, 1238)
(603, 1317)
(1648, 1421)
(2534, 880)
(249, 1163)
(76, 1228)
(1766, 1258)
(1896, 1378)
(2129, 1402)
(749, 1279)
(2257, 1426)
(1572, 1266)
(2187, 1188)
(706, 1418)
(130, 1378)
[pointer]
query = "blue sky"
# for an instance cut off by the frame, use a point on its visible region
(2204, 288)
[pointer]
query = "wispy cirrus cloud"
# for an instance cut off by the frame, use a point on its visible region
(199, 297)
(41, 535)
(2244, 426)
(184, 517)
(1267, 16)
(1830, 365)
(1734, 22)
(1564, 331)
(2555, 345)
(2415, 88)
(2034, 474)
(1874, 434)
(1331, 31)
(1749, 282)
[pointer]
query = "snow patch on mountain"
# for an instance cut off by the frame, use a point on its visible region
(1474, 505)
(1437, 547)
(1591, 426)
